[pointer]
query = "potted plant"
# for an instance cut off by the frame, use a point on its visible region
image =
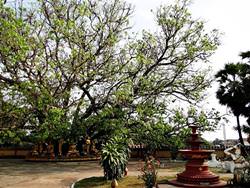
(114, 158)
(114, 183)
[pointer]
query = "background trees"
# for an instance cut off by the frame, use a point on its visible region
(246, 113)
(233, 91)
(71, 70)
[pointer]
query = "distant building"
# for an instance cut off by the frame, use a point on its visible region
(232, 142)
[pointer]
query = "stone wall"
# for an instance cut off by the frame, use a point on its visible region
(135, 153)
(14, 152)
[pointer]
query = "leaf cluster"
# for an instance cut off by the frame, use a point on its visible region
(114, 157)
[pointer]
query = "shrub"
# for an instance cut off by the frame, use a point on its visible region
(114, 157)
(149, 172)
(242, 176)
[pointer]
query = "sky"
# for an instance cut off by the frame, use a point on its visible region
(231, 17)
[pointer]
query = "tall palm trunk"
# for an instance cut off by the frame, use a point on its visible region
(239, 130)
(243, 149)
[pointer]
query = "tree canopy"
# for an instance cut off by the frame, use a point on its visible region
(71, 68)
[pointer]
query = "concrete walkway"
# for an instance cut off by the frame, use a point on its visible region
(21, 174)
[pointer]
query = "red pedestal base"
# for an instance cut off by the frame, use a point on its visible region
(179, 184)
(196, 173)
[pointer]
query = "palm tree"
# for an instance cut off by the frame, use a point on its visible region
(245, 54)
(232, 91)
(246, 128)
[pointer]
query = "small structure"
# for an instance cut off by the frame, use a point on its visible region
(50, 150)
(88, 143)
(196, 173)
(213, 162)
(73, 152)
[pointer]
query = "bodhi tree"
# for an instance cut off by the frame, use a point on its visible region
(71, 68)
(60, 59)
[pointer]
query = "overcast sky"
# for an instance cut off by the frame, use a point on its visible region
(231, 17)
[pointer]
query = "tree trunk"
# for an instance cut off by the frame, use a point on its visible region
(243, 150)
(239, 130)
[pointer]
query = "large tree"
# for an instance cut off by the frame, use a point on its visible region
(70, 65)
(60, 58)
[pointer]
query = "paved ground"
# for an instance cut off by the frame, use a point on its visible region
(21, 174)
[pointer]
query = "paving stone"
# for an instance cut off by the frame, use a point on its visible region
(21, 174)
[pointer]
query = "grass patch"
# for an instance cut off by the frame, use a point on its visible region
(100, 182)
(129, 181)
(135, 182)
(91, 182)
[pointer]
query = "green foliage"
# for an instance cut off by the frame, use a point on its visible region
(54, 126)
(149, 172)
(110, 121)
(245, 54)
(114, 157)
(173, 64)
(49, 62)
(9, 136)
(152, 136)
(13, 32)
(172, 131)
(71, 70)
(56, 123)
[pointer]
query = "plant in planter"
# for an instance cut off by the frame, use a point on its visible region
(114, 157)
(149, 172)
